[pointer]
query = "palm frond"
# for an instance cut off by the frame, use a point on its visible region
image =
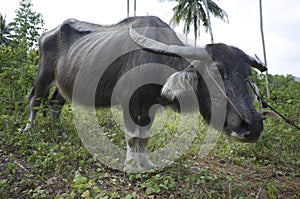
(192, 12)
(217, 11)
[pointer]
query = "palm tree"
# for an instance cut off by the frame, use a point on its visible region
(193, 12)
(4, 31)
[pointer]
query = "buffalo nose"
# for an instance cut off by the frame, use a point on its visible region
(253, 128)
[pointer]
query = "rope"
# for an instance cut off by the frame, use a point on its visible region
(225, 95)
(266, 105)
(263, 102)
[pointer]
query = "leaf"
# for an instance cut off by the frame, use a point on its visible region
(131, 196)
(86, 194)
(78, 178)
(3, 182)
(91, 183)
(153, 188)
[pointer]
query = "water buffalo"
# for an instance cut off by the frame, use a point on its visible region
(91, 60)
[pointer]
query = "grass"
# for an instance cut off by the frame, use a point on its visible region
(39, 164)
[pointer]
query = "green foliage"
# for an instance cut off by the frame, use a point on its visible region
(17, 75)
(27, 26)
(157, 183)
(86, 188)
(284, 96)
(18, 63)
(5, 31)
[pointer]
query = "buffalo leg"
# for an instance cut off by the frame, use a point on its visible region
(31, 118)
(34, 101)
(56, 103)
(146, 119)
(39, 93)
(145, 123)
(137, 136)
(137, 159)
(132, 164)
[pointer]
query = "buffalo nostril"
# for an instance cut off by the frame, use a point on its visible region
(247, 135)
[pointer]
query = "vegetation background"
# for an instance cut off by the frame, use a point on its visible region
(40, 164)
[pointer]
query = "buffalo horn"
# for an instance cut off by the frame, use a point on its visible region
(270, 113)
(159, 47)
(257, 63)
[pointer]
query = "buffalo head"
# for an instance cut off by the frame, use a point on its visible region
(242, 122)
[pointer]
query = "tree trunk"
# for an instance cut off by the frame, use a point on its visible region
(209, 22)
(195, 30)
(127, 8)
(264, 46)
(134, 7)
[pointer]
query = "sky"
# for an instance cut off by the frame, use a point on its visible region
(281, 23)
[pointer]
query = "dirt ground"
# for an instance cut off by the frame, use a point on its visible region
(14, 170)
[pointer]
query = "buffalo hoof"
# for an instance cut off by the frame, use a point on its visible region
(27, 127)
(60, 132)
(138, 163)
(145, 163)
(133, 166)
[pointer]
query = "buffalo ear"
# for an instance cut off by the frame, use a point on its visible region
(180, 82)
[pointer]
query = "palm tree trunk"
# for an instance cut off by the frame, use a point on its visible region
(195, 30)
(134, 7)
(209, 22)
(127, 8)
(264, 46)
